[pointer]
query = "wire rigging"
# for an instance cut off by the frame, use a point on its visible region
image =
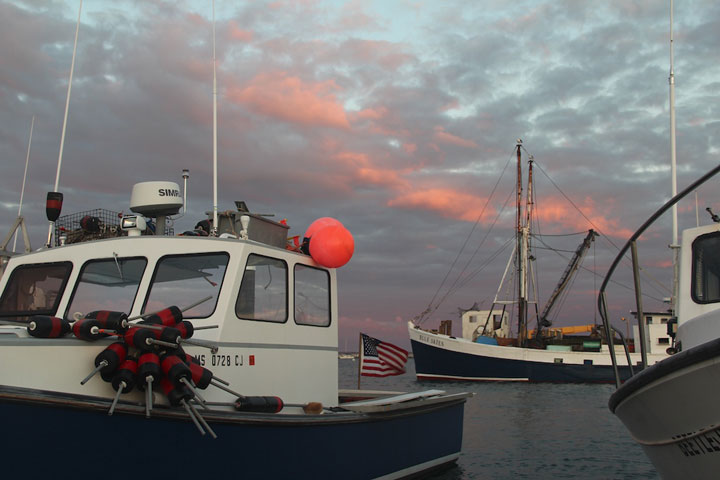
(424, 315)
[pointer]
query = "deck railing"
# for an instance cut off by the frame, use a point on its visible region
(631, 245)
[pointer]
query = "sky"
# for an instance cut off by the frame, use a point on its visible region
(398, 118)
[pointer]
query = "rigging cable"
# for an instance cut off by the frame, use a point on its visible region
(428, 310)
(643, 272)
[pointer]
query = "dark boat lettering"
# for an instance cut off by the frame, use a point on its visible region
(221, 361)
(708, 442)
(431, 341)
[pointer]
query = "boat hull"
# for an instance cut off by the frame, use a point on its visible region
(52, 431)
(670, 409)
(440, 357)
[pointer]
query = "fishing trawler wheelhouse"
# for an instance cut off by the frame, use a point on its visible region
(258, 369)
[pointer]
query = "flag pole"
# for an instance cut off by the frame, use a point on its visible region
(360, 358)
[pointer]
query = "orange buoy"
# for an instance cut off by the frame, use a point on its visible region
(321, 223)
(332, 246)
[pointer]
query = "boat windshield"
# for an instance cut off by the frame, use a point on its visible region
(706, 268)
(181, 280)
(34, 290)
(108, 284)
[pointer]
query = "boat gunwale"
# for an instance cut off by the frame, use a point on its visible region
(664, 368)
(336, 416)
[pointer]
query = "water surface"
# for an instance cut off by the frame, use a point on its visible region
(538, 431)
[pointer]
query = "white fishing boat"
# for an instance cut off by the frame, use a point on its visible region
(670, 408)
(270, 367)
(109, 334)
(486, 351)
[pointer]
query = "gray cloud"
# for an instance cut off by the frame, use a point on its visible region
(584, 85)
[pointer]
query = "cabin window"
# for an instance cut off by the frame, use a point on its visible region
(706, 269)
(109, 284)
(182, 280)
(312, 296)
(263, 292)
(34, 289)
(664, 341)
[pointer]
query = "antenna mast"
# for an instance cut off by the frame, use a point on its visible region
(64, 127)
(22, 191)
(673, 171)
(521, 255)
(215, 201)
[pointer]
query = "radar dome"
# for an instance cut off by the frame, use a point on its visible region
(156, 198)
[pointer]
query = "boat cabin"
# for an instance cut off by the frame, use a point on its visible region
(275, 310)
(699, 289)
(656, 331)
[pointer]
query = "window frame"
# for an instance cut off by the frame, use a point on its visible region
(287, 290)
(693, 291)
(60, 292)
(329, 295)
(68, 313)
(159, 261)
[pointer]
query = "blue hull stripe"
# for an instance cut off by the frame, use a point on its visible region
(45, 441)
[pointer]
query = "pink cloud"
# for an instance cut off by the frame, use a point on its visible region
(371, 113)
(445, 201)
(444, 137)
(363, 170)
(236, 33)
(292, 100)
(409, 148)
(559, 212)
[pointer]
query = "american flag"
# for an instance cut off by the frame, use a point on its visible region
(381, 359)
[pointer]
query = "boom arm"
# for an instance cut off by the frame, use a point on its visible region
(565, 279)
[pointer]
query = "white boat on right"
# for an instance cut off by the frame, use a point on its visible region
(672, 408)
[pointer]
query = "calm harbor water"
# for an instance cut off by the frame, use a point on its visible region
(538, 431)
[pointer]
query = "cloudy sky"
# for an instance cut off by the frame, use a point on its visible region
(397, 117)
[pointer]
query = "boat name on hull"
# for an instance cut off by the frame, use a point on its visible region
(431, 340)
(708, 442)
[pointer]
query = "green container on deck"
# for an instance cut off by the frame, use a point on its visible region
(591, 344)
(559, 348)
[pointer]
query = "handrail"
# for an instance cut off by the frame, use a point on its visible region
(602, 307)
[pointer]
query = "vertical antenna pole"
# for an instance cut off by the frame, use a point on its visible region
(673, 170)
(64, 127)
(185, 176)
(22, 191)
(215, 201)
